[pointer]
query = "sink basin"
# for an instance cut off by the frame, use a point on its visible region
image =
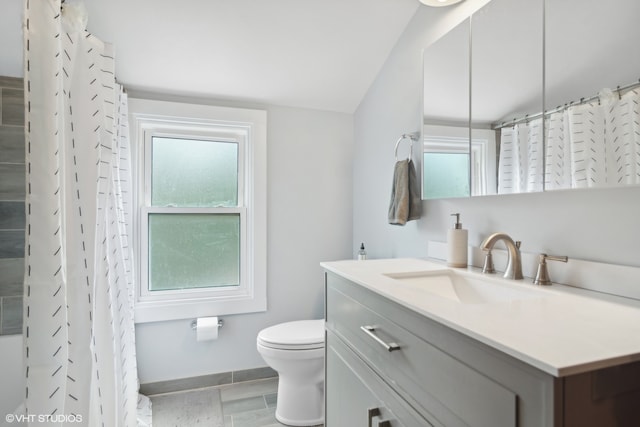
(465, 288)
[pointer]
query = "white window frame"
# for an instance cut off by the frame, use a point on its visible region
(245, 127)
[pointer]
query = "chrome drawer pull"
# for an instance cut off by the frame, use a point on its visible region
(369, 330)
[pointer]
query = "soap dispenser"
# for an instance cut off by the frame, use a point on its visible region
(457, 244)
(362, 253)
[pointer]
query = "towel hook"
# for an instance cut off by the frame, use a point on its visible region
(412, 137)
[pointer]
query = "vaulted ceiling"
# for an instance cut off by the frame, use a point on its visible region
(301, 53)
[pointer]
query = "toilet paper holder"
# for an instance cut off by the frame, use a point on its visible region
(194, 323)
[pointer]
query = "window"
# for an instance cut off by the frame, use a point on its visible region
(201, 201)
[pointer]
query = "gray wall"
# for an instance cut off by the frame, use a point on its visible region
(12, 196)
(310, 155)
(597, 225)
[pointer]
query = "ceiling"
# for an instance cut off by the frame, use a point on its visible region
(300, 53)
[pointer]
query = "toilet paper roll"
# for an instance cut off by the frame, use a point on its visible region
(207, 328)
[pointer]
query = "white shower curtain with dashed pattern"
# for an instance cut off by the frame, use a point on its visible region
(588, 145)
(604, 141)
(80, 363)
(520, 163)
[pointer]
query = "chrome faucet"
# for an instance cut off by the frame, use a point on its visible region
(514, 263)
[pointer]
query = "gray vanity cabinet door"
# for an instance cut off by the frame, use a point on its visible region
(356, 397)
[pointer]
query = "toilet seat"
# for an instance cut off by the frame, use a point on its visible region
(297, 335)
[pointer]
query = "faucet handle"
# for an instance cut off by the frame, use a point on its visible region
(542, 275)
(488, 268)
(553, 258)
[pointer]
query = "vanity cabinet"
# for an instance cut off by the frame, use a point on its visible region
(436, 376)
(414, 371)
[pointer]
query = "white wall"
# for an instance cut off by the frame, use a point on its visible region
(310, 156)
(11, 36)
(598, 225)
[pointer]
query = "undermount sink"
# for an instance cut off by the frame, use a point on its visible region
(464, 288)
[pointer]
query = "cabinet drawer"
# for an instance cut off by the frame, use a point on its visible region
(354, 391)
(445, 388)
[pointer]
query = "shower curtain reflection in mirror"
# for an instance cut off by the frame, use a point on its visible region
(590, 144)
(520, 163)
(595, 144)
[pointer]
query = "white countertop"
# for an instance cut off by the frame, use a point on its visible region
(562, 332)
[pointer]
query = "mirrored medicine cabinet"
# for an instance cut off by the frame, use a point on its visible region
(533, 95)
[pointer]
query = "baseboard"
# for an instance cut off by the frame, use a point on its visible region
(211, 380)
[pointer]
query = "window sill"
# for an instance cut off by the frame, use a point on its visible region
(157, 311)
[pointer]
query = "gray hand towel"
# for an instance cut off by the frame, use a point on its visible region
(406, 204)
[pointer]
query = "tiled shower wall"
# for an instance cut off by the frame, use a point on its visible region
(12, 196)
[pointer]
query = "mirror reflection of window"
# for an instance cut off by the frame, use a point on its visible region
(454, 168)
(483, 162)
(446, 154)
(446, 172)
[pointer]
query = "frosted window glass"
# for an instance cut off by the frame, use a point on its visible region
(194, 173)
(193, 251)
(445, 175)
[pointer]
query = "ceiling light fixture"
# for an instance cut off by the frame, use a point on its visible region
(439, 3)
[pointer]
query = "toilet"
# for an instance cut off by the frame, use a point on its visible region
(296, 351)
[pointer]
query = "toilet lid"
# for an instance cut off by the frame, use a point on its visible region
(298, 335)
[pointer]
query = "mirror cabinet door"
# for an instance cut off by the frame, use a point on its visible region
(506, 97)
(534, 95)
(593, 130)
(445, 162)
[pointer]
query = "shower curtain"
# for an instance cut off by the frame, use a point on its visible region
(603, 146)
(79, 348)
(558, 153)
(520, 163)
(593, 144)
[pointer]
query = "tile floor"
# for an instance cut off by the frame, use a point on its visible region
(247, 404)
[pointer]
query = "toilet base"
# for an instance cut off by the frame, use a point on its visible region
(297, 423)
(300, 404)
